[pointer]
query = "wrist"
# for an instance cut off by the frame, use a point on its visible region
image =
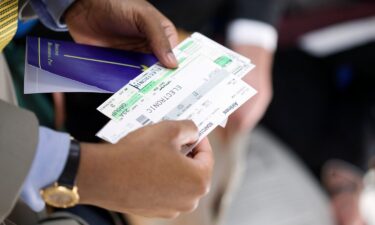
(252, 32)
(51, 155)
(51, 12)
(64, 193)
(90, 171)
(260, 56)
(71, 12)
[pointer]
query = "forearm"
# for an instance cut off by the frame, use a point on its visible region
(257, 41)
(90, 169)
(261, 57)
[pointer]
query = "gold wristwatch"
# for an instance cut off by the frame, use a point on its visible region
(64, 193)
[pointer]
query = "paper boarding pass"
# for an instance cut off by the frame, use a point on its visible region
(150, 83)
(206, 88)
(207, 108)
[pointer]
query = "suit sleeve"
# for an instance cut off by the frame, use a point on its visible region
(18, 142)
(268, 11)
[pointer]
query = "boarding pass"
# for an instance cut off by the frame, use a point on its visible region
(152, 81)
(206, 88)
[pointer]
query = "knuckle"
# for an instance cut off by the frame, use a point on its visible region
(167, 25)
(191, 206)
(169, 215)
(191, 125)
(204, 189)
(170, 127)
(146, 9)
(174, 215)
(202, 186)
(176, 130)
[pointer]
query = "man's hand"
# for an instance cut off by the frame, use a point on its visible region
(145, 173)
(125, 24)
(344, 182)
(248, 115)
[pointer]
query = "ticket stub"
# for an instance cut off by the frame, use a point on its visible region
(150, 83)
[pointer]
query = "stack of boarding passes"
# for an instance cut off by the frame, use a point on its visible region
(206, 88)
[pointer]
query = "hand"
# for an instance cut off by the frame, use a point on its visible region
(247, 116)
(346, 209)
(145, 173)
(343, 182)
(59, 108)
(125, 24)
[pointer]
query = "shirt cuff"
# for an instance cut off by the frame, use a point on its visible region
(26, 12)
(50, 159)
(251, 32)
(50, 12)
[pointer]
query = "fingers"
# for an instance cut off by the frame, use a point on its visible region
(170, 31)
(203, 154)
(162, 35)
(184, 132)
(177, 133)
(188, 132)
(202, 164)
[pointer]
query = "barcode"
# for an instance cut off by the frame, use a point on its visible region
(144, 120)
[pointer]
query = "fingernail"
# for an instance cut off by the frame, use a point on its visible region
(172, 59)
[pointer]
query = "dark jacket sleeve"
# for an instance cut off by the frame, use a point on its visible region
(268, 11)
(18, 143)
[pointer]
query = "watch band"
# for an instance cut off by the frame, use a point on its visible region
(68, 176)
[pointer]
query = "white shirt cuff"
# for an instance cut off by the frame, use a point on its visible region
(49, 162)
(251, 32)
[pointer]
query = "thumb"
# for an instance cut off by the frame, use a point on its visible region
(162, 35)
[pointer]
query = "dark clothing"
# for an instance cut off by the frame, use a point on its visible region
(199, 15)
(324, 107)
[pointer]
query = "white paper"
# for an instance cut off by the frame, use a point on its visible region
(206, 88)
(41, 81)
(205, 55)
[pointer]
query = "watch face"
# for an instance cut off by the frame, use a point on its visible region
(60, 196)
